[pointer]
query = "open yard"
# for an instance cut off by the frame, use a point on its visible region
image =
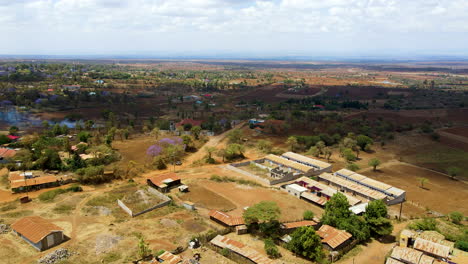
(441, 194)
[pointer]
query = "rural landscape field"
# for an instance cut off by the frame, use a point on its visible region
(234, 131)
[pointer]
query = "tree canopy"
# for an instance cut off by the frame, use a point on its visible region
(265, 211)
(305, 242)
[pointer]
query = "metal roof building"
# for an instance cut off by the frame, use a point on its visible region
(317, 164)
(333, 237)
(38, 232)
(241, 249)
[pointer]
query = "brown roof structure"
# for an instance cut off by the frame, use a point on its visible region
(226, 219)
(393, 261)
(407, 255)
(32, 182)
(332, 236)
(34, 228)
(292, 225)
(241, 249)
(432, 248)
(168, 257)
(162, 179)
(7, 152)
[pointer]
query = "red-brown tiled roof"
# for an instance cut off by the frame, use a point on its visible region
(226, 219)
(332, 236)
(159, 180)
(292, 225)
(34, 228)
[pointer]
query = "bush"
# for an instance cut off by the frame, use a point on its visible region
(92, 175)
(271, 249)
(308, 215)
(225, 252)
(462, 245)
(353, 167)
(50, 195)
(74, 188)
(426, 224)
(456, 217)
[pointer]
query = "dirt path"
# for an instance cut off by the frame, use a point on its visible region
(213, 142)
(375, 251)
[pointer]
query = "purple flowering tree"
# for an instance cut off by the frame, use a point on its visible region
(154, 150)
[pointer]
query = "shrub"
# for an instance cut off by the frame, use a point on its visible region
(308, 215)
(426, 224)
(225, 252)
(50, 195)
(74, 188)
(462, 245)
(271, 249)
(353, 167)
(456, 217)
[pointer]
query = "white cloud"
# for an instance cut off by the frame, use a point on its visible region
(306, 19)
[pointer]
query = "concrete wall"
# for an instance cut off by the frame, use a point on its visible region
(165, 201)
(233, 168)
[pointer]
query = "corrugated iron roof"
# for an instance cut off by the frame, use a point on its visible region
(425, 259)
(292, 225)
(288, 163)
(162, 179)
(241, 249)
(33, 181)
(406, 254)
(169, 258)
(314, 198)
(431, 247)
(226, 219)
(325, 189)
(332, 236)
(353, 186)
(7, 152)
(305, 159)
(34, 228)
(393, 261)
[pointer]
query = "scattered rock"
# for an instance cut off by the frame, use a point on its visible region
(106, 242)
(102, 210)
(56, 256)
(4, 228)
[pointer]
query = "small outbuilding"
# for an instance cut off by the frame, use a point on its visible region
(295, 190)
(164, 182)
(38, 232)
(189, 205)
(334, 239)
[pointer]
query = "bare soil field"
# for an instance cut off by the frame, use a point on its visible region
(440, 194)
(361, 92)
(266, 94)
(205, 198)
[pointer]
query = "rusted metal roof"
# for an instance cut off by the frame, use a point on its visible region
(168, 257)
(33, 181)
(226, 219)
(431, 247)
(7, 152)
(393, 261)
(314, 198)
(332, 236)
(241, 249)
(34, 228)
(407, 255)
(292, 225)
(162, 179)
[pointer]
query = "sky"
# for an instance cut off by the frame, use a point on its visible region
(249, 27)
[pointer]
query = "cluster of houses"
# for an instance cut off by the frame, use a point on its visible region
(424, 247)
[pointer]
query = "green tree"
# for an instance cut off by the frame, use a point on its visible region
(13, 130)
(308, 215)
(265, 211)
(83, 136)
(364, 142)
(143, 249)
(320, 146)
(314, 151)
(376, 217)
(456, 217)
(4, 139)
(49, 159)
(305, 242)
(210, 151)
(338, 215)
(374, 163)
(196, 131)
(234, 151)
(327, 152)
(349, 155)
(264, 145)
(235, 136)
(453, 172)
(291, 142)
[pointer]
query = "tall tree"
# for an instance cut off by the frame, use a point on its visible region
(376, 217)
(305, 242)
